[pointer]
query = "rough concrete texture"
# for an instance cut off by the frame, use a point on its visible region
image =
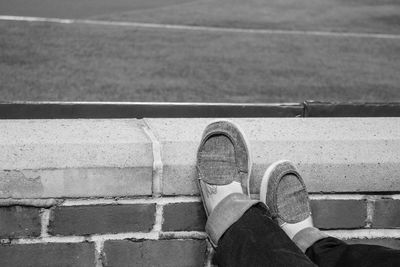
(333, 154)
(93, 182)
(47, 158)
(17, 221)
(184, 217)
(85, 220)
(92, 158)
(386, 214)
(173, 253)
(339, 214)
(179, 140)
(51, 254)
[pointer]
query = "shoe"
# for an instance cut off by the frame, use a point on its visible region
(284, 192)
(223, 163)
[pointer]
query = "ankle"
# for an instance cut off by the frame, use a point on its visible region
(291, 229)
(214, 194)
(307, 237)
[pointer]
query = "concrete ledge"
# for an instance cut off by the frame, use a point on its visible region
(113, 158)
(333, 154)
(74, 158)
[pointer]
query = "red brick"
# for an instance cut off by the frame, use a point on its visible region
(50, 254)
(18, 221)
(155, 253)
(386, 242)
(334, 214)
(386, 214)
(184, 217)
(84, 220)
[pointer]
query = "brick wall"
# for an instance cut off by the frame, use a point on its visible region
(84, 199)
(166, 231)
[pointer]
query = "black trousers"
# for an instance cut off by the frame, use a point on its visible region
(255, 240)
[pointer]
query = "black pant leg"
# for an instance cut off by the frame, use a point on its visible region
(332, 252)
(255, 240)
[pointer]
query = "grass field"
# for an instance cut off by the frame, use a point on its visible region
(322, 15)
(78, 62)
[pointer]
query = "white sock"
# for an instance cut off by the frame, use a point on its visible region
(291, 229)
(213, 194)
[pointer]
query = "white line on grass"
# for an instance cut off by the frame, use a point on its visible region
(202, 28)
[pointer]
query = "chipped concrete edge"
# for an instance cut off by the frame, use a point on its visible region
(41, 203)
(157, 160)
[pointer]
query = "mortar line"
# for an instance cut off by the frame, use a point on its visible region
(31, 202)
(98, 252)
(158, 218)
(203, 28)
(168, 200)
(152, 235)
(157, 161)
(342, 234)
(209, 255)
(79, 239)
(44, 221)
(183, 235)
(341, 196)
(159, 201)
(370, 211)
(364, 233)
(88, 202)
(164, 200)
(337, 197)
(58, 239)
(122, 236)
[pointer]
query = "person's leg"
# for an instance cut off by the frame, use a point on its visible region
(284, 192)
(332, 252)
(255, 240)
(241, 227)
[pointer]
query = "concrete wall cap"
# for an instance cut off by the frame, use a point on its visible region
(333, 154)
(46, 144)
(74, 158)
(103, 157)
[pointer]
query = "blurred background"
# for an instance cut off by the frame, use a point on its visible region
(200, 50)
